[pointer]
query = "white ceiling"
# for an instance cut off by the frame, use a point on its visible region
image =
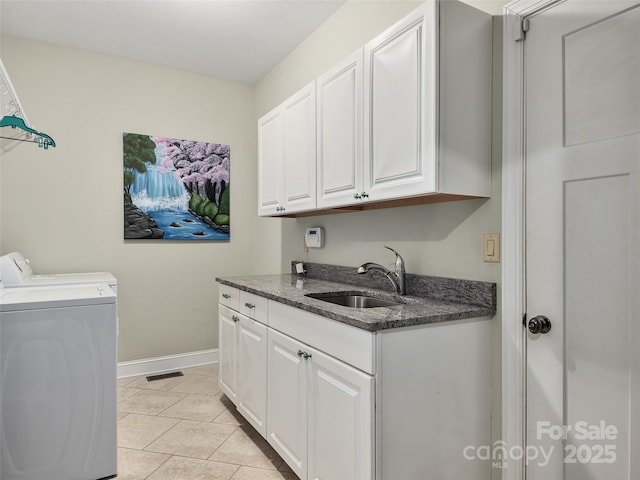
(238, 40)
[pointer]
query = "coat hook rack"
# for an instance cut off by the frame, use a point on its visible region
(15, 117)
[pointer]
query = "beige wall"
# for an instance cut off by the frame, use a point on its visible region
(63, 207)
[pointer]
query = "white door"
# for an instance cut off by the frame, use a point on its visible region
(228, 339)
(252, 373)
(582, 70)
(341, 436)
(287, 401)
(339, 142)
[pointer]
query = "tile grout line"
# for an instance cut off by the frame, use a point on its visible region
(222, 443)
(158, 467)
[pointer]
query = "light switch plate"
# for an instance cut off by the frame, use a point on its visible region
(491, 247)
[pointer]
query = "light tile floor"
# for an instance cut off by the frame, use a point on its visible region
(184, 428)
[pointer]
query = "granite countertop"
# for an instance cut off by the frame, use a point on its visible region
(415, 309)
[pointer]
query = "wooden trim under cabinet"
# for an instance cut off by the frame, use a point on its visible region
(401, 202)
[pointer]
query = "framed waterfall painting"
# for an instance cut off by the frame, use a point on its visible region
(175, 189)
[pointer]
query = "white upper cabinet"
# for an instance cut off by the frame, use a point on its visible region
(339, 133)
(270, 162)
(400, 141)
(287, 155)
(428, 104)
(299, 162)
(408, 115)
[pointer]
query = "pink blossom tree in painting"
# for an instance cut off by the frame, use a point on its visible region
(203, 169)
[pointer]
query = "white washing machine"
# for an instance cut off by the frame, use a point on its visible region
(16, 271)
(58, 383)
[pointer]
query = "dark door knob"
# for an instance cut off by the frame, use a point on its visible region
(539, 324)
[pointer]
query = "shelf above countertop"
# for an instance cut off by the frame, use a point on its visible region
(292, 289)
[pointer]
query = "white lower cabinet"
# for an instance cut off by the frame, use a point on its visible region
(341, 403)
(340, 419)
(287, 401)
(320, 412)
(228, 352)
(252, 373)
(243, 371)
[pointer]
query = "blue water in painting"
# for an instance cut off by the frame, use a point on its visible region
(189, 226)
(163, 198)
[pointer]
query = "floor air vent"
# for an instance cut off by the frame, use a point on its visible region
(162, 376)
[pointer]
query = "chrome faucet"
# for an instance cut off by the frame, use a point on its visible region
(397, 278)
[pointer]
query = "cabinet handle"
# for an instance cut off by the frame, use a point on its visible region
(226, 295)
(249, 305)
(365, 195)
(235, 319)
(357, 196)
(304, 354)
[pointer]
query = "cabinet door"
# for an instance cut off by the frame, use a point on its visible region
(339, 133)
(341, 416)
(269, 162)
(299, 151)
(287, 401)
(228, 353)
(252, 373)
(401, 107)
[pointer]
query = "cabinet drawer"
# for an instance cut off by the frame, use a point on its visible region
(253, 306)
(352, 345)
(229, 296)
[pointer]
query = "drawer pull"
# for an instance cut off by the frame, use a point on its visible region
(249, 305)
(235, 319)
(304, 354)
(226, 295)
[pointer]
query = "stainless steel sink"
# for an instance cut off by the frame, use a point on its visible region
(359, 300)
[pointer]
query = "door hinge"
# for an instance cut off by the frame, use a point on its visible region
(522, 27)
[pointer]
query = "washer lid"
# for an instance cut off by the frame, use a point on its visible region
(16, 299)
(69, 279)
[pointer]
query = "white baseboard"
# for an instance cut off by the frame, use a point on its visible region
(150, 366)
